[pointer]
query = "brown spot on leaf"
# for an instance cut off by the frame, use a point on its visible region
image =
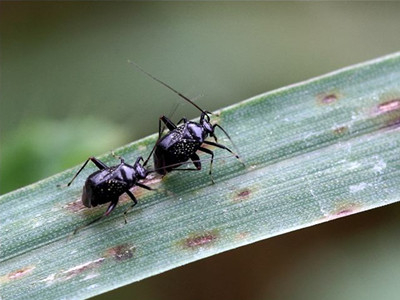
(388, 106)
(242, 195)
(341, 130)
(390, 111)
(327, 98)
(17, 274)
(200, 240)
(121, 252)
(75, 206)
(387, 112)
(152, 179)
(345, 210)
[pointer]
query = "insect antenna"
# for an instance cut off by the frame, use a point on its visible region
(167, 86)
(205, 113)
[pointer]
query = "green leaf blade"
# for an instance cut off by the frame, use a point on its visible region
(314, 151)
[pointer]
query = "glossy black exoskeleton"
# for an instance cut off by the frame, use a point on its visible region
(182, 142)
(109, 183)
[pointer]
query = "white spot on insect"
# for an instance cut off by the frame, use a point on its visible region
(358, 187)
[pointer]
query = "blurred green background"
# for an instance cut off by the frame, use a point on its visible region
(67, 92)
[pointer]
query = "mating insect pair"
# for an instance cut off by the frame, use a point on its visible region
(172, 150)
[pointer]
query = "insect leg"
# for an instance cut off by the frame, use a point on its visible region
(97, 162)
(130, 207)
(222, 147)
(183, 120)
(166, 192)
(195, 160)
(160, 131)
(170, 125)
(108, 211)
(212, 160)
(139, 159)
(144, 186)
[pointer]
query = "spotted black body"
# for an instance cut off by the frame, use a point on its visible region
(182, 142)
(109, 183)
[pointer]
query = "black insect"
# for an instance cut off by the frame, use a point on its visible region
(109, 183)
(182, 142)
